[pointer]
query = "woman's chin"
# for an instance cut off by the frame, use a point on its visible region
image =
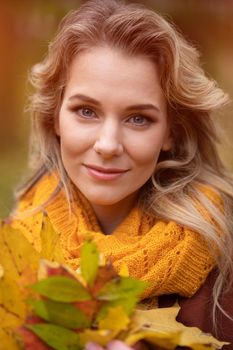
(102, 200)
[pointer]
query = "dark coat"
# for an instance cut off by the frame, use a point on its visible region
(197, 311)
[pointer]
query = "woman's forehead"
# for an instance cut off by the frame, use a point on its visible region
(106, 70)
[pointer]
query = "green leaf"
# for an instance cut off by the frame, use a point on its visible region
(57, 337)
(61, 288)
(62, 314)
(89, 262)
(121, 288)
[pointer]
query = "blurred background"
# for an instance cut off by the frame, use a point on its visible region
(26, 26)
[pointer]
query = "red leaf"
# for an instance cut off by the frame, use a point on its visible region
(29, 339)
(58, 271)
(104, 275)
(88, 307)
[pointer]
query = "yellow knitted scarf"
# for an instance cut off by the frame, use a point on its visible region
(174, 259)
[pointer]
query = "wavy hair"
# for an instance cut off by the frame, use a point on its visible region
(191, 97)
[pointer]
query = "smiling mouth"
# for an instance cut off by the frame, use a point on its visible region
(105, 173)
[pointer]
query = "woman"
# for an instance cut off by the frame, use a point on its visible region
(124, 146)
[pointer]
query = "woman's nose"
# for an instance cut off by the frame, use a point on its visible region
(108, 141)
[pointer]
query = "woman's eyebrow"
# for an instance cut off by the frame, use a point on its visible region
(143, 107)
(84, 98)
(129, 108)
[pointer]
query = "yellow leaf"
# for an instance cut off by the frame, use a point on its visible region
(50, 243)
(101, 337)
(124, 271)
(161, 323)
(19, 262)
(7, 335)
(16, 252)
(11, 298)
(163, 340)
(7, 341)
(115, 320)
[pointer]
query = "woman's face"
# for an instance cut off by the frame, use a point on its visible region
(112, 124)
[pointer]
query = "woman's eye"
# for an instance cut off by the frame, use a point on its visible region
(86, 112)
(138, 120)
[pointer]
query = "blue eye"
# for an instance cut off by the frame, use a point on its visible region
(86, 112)
(138, 120)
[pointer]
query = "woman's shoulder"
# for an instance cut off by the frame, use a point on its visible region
(197, 311)
(208, 192)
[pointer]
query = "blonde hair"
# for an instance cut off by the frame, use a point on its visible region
(191, 97)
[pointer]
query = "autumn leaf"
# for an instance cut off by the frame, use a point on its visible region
(124, 271)
(17, 257)
(115, 320)
(51, 268)
(72, 309)
(59, 338)
(104, 274)
(98, 336)
(29, 340)
(89, 262)
(8, 321)
(89, 307)
(61, 288)
(127, 304)
(18, 268)
(50, 243)
(62, 314)
(120, 291)
(159, 326)
(16, 253)
(121, 287)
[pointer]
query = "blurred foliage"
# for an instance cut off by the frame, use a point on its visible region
(26, 27)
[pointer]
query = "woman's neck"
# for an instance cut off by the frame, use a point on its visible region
(111, 216)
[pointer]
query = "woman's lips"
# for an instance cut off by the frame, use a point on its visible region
(105, 173)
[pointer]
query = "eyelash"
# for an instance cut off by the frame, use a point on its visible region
(82, 108)
(147, 120)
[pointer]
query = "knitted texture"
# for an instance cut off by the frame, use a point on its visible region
(172, 258)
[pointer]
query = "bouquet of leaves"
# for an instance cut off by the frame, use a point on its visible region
(46, 305)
